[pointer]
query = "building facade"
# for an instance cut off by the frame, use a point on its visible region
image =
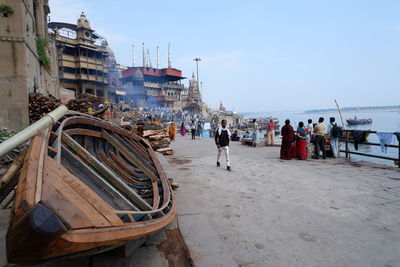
(28, 62)
(83, 58)
(192, 101)
(152, 87)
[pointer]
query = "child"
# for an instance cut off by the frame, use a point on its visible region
(222, 142)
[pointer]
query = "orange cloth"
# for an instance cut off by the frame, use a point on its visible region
(172, 131)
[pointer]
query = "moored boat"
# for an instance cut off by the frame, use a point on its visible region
(356, 121)
(86, 185)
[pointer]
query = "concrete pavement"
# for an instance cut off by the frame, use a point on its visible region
(269, 212)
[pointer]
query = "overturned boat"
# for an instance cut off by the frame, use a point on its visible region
(86, 185)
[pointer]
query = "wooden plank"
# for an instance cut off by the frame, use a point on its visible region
(70, 206)
(122, 163)
(119, 171)
(135, 148)
(127, 155)
(104, 171)
(52, 149)
(164, 149)
(79, 131)
(86, 192)
(101, 186)
(39, 175)
(25, 193)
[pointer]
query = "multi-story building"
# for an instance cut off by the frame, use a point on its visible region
(152, 87)
(27, 59)
(83, 58)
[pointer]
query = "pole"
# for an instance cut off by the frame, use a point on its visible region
(32, 130)
(340, 113)
(133, 56)
(197, 59)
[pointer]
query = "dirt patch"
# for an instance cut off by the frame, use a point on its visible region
(175, 161)
(175, 249)
(183, 169)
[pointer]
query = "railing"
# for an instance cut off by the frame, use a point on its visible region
(347, 151)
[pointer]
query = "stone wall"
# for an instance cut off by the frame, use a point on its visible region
(20, 69)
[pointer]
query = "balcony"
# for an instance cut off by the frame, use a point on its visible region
(163, 85)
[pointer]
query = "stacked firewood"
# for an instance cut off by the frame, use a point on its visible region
(159, 141)
(157, 136)
(84, 101)
(40, 105)
(80, 105)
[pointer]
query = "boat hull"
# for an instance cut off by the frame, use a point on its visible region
(62, 209)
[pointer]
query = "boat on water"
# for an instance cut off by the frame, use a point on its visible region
(356, 121)
(86, 186)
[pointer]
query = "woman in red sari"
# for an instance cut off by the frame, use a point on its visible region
(301, 142)
(287, 133)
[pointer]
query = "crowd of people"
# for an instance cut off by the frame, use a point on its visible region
(295, 142)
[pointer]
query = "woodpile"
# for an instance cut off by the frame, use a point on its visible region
(40, 105)
(80, 105)
(158, 137)
(84, 101)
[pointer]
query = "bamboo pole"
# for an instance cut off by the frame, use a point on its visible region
(32, 130)
(340, 113)
(12, 170)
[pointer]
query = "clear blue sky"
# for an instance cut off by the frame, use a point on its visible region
(262, 55)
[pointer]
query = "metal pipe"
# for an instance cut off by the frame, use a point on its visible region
(32, 130)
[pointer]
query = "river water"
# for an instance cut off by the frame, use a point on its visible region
(382, 121)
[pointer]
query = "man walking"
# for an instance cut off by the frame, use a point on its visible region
(222, 141)
(319, 140)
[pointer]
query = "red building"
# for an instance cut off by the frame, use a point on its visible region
(152, 87)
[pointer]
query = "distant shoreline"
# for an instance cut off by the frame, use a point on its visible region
(351, 111)
(325, 111)
(357, 109)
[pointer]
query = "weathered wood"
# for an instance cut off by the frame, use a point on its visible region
(39, 175)
(25, 193)
(11, 172)
(98, 184)
(72, 208)
(127, 155)
(122, 164)
(85, 192)
(29, 239)
(104, 171)
(119, 171)
(164, 149)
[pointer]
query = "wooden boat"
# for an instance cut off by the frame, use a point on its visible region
(86, 185)
(356, 121)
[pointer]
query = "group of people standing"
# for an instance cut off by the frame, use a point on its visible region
(270, 134)
(294, 143)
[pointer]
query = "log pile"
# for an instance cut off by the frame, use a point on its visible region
(40, 105)
(159, 138)
(84, 101)
(80, 105)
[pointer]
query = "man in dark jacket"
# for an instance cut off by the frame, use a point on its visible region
(222, 141)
